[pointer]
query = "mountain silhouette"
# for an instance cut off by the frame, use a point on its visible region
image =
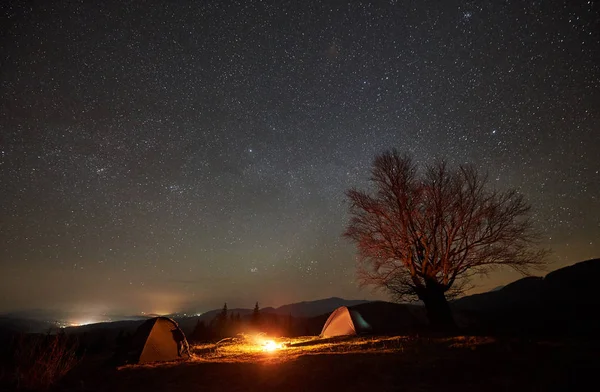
(562, 302)
(305, 309)
(315, 308)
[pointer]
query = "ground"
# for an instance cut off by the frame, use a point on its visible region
(397, 363)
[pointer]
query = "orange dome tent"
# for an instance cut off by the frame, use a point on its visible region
(158, 339)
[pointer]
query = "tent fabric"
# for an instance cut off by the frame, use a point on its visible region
(344, 322)
(159, 339)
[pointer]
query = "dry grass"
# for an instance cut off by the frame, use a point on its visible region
(40, 361)
(383, 363)
(250, 348)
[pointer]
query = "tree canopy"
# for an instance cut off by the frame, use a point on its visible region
(425, 233)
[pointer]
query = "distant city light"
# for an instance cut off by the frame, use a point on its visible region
(82, 323)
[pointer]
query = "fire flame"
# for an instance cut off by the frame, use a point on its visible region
(270, 345)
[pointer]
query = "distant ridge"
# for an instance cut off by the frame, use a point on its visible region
(575, 283)
(565, 301)
(316, 308)
(16, 324)
(525, 291)
(304, 309)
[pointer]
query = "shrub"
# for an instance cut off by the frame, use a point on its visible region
(40, 361)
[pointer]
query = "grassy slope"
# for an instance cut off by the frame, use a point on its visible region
(359, 364)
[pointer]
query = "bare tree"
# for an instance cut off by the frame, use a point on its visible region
(424, 234)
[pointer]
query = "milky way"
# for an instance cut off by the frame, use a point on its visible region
(156, 157)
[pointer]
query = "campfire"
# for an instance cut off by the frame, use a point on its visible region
(271, 345)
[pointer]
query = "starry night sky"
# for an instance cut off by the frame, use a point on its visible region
(157, 157)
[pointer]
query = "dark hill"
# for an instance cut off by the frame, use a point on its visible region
(300, 310)
(305, 309)
(385, 318)
(575, 285)
(564, 302)
(13, 324)
(524, 292)
(315, 308)
(388, 318)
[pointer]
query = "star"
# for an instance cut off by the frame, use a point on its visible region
(187, 147)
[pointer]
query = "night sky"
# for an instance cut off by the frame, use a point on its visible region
(157, 157)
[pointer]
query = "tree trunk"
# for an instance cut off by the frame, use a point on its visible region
(438, 309)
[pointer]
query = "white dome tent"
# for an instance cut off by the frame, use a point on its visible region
(344, 322)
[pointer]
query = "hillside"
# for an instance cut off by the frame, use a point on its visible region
(394, 363)
(562, 302)
(305, 309)
(315, 308)
(14, 324)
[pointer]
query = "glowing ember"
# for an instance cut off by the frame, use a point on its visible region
(270, 345)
